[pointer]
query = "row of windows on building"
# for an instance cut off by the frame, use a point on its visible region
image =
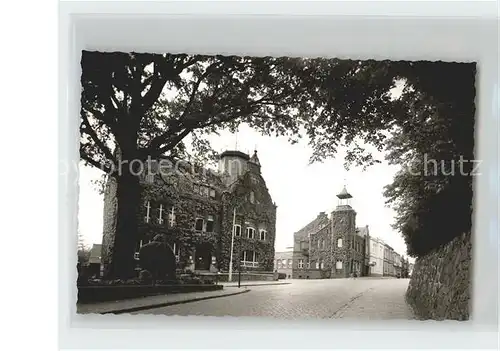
(320, 264)
(250, 232)
(249, 258)
(322, 243)
(163, 214)
(204, 191)
(283, 263)
(206, 224)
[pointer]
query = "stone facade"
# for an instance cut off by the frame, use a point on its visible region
(440, 282)
(330, 247)
(194, 209)
(302, 268)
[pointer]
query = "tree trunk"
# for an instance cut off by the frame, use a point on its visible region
(126, 236)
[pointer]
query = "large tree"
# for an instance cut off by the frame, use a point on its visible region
(127, 116)
(145, 104)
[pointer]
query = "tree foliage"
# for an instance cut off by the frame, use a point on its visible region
(136, 106)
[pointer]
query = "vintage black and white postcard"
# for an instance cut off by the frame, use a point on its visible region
(285, 187)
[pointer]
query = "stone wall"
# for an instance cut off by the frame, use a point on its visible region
(440, 283)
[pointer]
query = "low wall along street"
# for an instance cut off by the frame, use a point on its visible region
(440, 285)
(92, 294)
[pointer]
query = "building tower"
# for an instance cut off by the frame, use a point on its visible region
(232, 164)
(343, 221)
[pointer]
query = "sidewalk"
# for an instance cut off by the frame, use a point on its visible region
(143, 303)
(253, 283)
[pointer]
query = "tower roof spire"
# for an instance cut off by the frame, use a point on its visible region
(255, 158)
(344, 194)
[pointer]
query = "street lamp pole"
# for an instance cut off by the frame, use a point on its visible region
(239, 263)
(230, 276)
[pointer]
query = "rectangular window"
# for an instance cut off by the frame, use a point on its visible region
(148, 208)
(250, 232)
(301, 264)
(212, 193)
(323, 244)
(262, 234)
(317, 265)
(210, 224)
(308, 265)
(322, 264)
(319, 243)
(237, 230)
(249, 259)
(338, 265)
(339, 242)
(199, 224)
(289, 263)
(171, 217)
(161, 212)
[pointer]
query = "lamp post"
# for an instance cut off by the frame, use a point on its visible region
(239, 262)
(230, 276)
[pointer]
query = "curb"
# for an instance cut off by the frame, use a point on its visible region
(242, 285)
(165, 304)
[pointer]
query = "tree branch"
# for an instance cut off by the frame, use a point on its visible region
(94, 163)
(90, 131)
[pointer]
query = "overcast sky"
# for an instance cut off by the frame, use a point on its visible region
(301, 191)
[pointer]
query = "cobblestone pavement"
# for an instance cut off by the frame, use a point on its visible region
(366, 298)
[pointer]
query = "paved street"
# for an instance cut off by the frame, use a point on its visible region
(368, 298)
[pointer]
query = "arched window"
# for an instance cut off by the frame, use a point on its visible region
(339, 242)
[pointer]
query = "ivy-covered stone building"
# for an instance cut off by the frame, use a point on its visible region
(196, 210)
(331, 247)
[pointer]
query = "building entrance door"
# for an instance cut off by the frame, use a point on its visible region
(203, 257)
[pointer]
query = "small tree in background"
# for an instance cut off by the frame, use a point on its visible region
(83, 250)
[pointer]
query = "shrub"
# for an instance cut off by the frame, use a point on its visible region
(145, 277)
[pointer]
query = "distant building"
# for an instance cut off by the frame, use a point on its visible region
(376, 257)
(95, 262)
(397, 264)
(283, 262)
(331, 247)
